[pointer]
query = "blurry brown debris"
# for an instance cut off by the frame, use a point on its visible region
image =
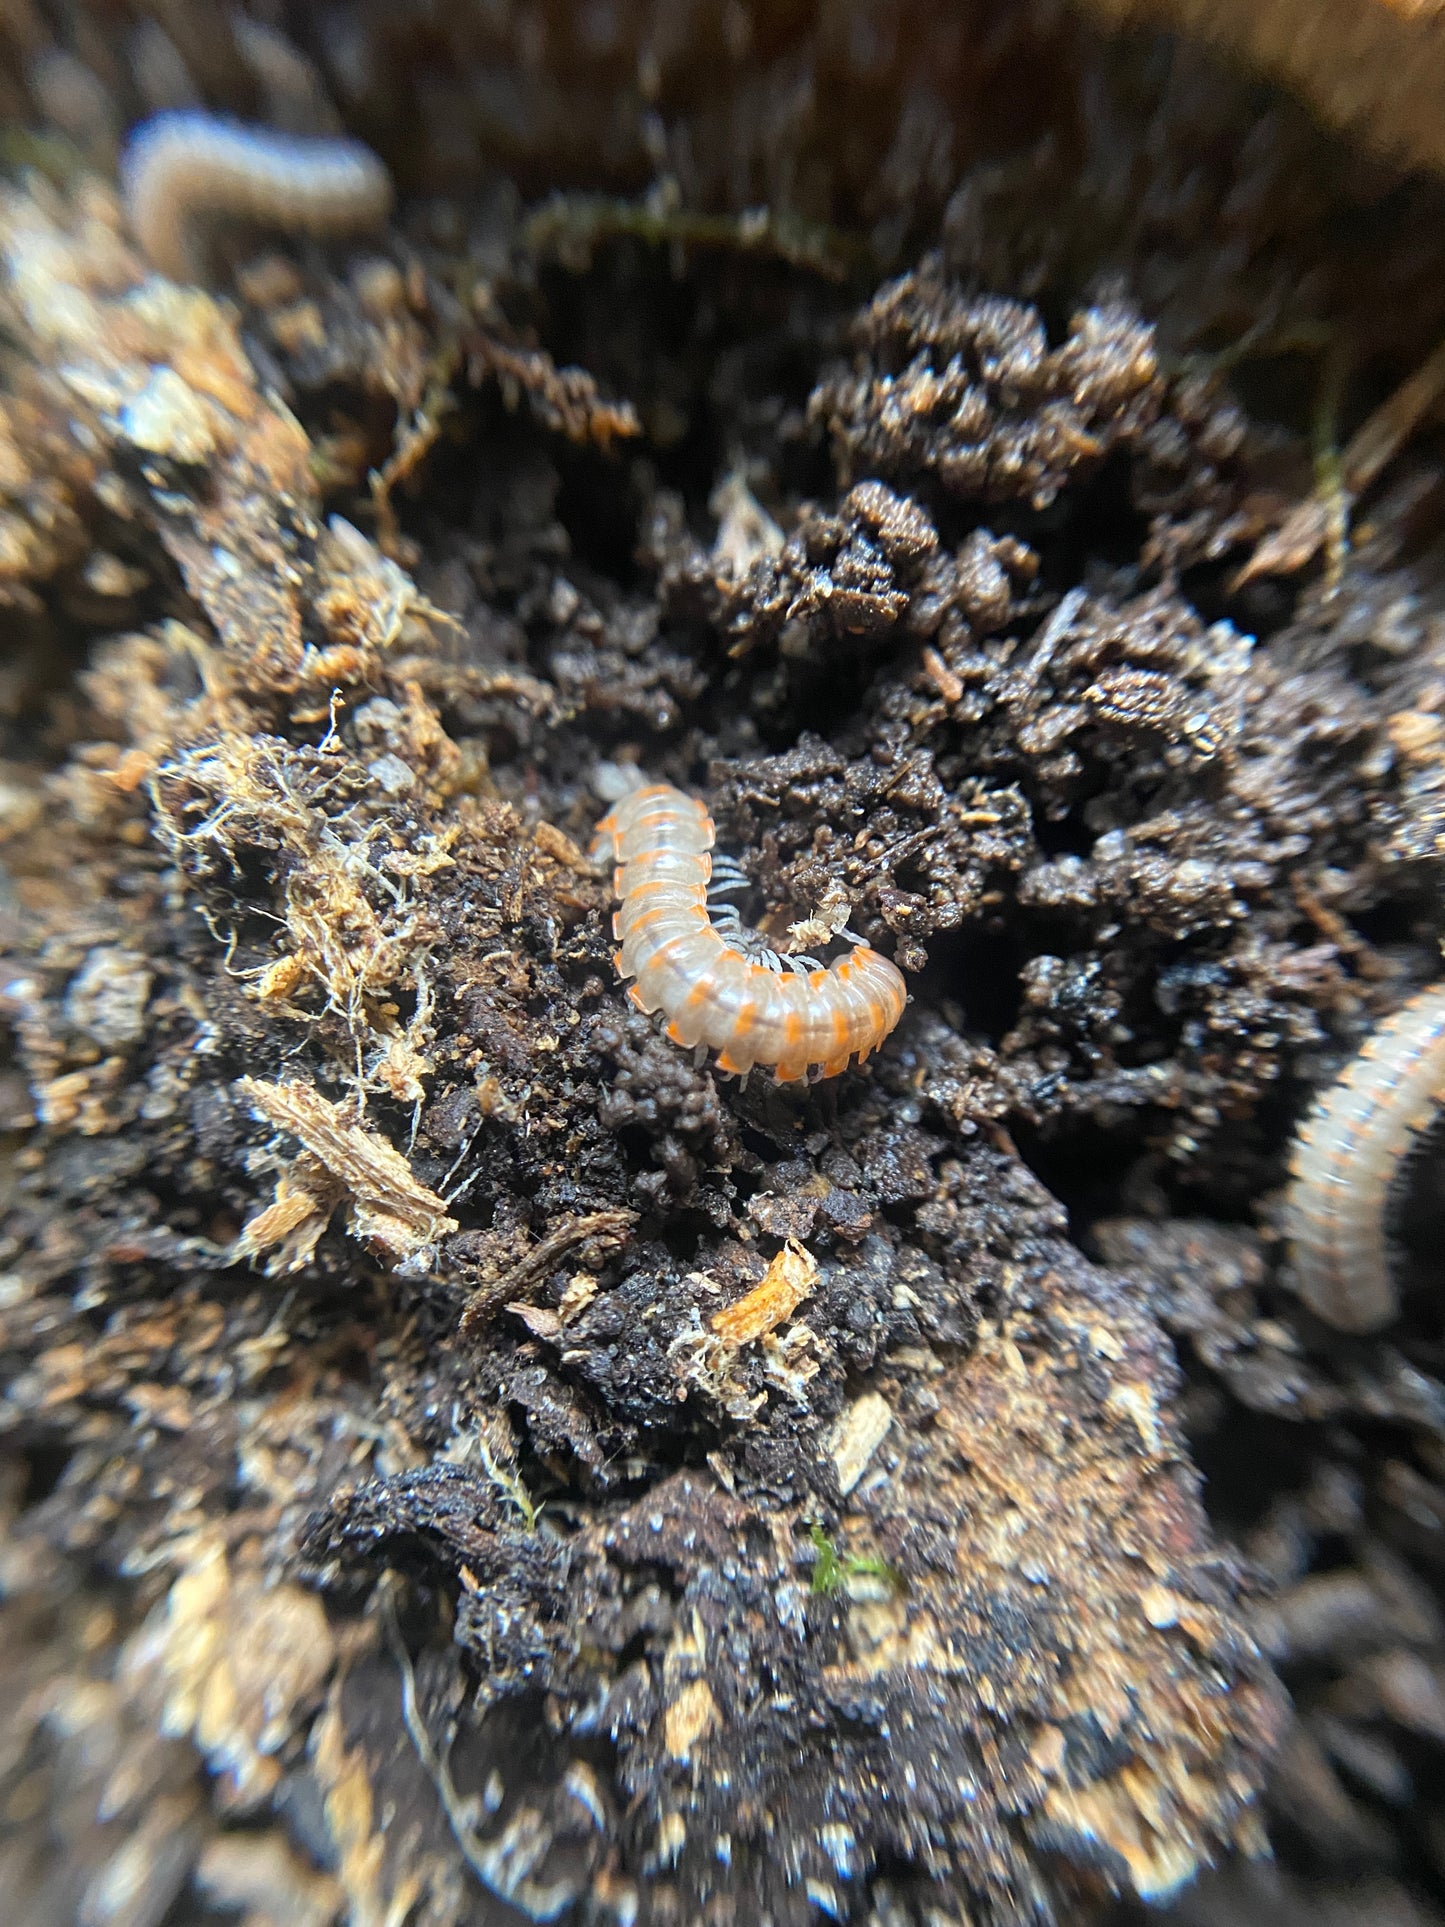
(132, 391)
(41, 477)
(156, 375)
(570, 228)
(566, 399)
(857, 1436)
(414, 439)
(363, 601)
(236, 1663)
(260, 1877)
(289, 1227)
(354, 927)
(1371, 449)
(1375, 68)
(1101, 1509)
(124, 1804)
(389, 1208)
(399, 1807)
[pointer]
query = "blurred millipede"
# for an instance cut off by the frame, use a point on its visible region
(788, 1012)
(1347, 1155)
(181, 168)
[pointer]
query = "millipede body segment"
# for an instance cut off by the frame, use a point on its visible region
(180, 169)
(711, 991)
(1348, 1153)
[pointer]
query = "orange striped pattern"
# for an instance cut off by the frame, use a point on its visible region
(710, 992)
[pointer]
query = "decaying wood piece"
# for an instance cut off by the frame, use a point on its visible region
(387, 1205)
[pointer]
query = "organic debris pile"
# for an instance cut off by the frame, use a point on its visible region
(465, 1458)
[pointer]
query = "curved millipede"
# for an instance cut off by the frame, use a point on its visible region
(183, 168)
(1348, 1153)
(787, 1012)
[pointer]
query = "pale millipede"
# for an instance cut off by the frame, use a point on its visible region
(788, 1012)
(1348, 1153)
(184, 168)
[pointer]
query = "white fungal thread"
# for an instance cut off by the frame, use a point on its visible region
(718, 986)
(182, 169)
(1348, 1153)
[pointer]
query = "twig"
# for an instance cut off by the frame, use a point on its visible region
(1314, 523)
(607, 1227)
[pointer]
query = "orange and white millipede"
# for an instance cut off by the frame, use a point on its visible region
(791, 1013)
